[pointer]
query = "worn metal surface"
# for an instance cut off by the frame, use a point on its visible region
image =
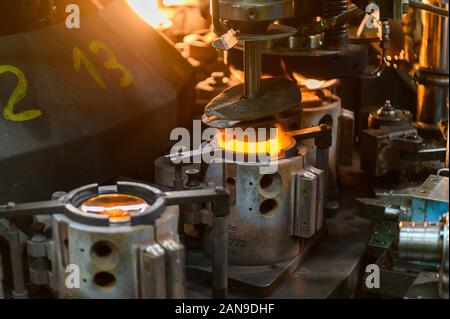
(229, 108)
(307, 202)
(255, 281)
(425, 286)
(261, 219)
(430, 201)
(330, 270)
(119, 262)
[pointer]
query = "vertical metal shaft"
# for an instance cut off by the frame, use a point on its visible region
(322, 163)
(15, 250)
(178, 186)
(220, 258)
(434, 55)
(2, 294)
(252, 69)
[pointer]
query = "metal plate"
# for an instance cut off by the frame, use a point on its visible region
(229, 108)
(330, 270)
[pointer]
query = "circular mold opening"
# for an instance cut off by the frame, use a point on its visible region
(117, 207)
(268, 207)
(270, 185)
(102, 249)
(105, 279)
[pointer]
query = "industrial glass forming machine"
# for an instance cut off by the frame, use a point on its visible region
(154, 149)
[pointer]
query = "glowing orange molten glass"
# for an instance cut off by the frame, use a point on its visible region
(118, 207)
(310, 84)
(240, 143)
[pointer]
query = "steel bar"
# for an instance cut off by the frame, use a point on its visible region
(20, 291)
(220, 257)
(428, 7)
(2, 294)
(252, 69)
(13, 210)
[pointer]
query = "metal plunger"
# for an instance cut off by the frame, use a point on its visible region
(252, 69)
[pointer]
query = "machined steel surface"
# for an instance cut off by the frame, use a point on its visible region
(330, 270)
(255, 10)
(261, 217)
(109, 262)
(420, 242)
(252, 69)
(428, 242)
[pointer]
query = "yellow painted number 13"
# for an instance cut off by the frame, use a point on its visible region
(79, 58)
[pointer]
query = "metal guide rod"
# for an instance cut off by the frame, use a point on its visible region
(20, 291)
(2, 294)
(221, 209)
(252, 69)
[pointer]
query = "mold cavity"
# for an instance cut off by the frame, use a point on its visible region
(266, 181)
(268, 207)
(102, 249)
(270, 185)
(104, 279)
(231, 181)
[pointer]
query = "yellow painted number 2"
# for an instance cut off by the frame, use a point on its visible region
(18, 94)
(111, 64)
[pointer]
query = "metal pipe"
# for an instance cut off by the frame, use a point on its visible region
(2, 294)
(252, 69)
(428, 7)
(420, 242)
(220, 257)
(433, 64)
(20, 292)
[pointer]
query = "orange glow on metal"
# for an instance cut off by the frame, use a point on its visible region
(118, 207)
(310, 84)
(152, 13)
(240, 77)
(240, 145)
